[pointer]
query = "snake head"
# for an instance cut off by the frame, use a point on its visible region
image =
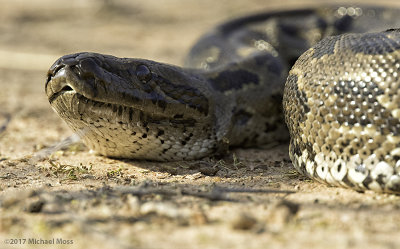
(141, 84)
(149, 102)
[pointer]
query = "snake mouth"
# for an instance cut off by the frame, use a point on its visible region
(66, 76)
(58, 85)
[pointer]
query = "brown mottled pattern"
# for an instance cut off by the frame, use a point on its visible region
(343, 112)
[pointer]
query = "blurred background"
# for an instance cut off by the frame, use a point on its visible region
(35, 33)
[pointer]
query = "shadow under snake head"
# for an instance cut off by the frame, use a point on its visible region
(134, 108)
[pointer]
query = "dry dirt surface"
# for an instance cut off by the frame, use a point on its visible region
(252, 198)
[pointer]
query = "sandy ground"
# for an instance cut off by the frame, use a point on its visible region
(76, 199)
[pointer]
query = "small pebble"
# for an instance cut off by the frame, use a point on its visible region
(34, 206)
(243, 222)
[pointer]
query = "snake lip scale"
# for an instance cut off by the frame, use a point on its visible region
(331, 74)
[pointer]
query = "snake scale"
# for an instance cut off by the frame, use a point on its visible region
(335, 69)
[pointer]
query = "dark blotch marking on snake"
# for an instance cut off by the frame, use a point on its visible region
(325, 47)
(372, 44)
(364, 94)
(241, 117)
(185, 94)
(233, 80)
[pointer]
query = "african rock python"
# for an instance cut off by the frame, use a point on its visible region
(341, 101)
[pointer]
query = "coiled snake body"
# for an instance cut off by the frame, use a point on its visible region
(341, 101)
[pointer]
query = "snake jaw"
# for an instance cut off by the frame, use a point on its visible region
(65, 77)
(58, 85)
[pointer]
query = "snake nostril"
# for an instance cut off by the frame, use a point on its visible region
(65, 61)
(57, 66)
(54, 70)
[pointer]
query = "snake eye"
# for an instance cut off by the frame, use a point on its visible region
(143, 73)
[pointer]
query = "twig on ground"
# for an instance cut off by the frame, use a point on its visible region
(42, 154)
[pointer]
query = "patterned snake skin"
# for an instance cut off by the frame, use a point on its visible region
(341, 101)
